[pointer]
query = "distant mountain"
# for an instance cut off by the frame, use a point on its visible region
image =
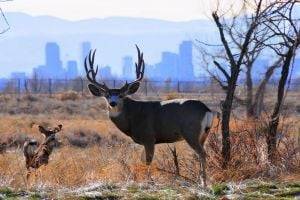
(23, 46)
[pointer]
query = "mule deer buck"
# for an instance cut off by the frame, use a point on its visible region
(153, 122)
(38, 155)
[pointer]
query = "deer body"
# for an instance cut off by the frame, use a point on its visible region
(161, 121)
(153, 122)
(38, 155)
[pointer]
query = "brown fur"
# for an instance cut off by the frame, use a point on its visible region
(38, 155)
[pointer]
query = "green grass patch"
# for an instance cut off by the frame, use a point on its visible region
(219, 189)
(7, 192)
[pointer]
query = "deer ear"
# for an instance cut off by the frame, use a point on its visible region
(96, 91)
(58, 128)
(43, 131)
(133, 87)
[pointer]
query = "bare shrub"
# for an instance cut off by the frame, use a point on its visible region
(249, 155)
(2, 147)
(83, 138)
(70, 95)
(30, 98)
(298, 108)
(115, 140)
(13, 141)
(172, 95)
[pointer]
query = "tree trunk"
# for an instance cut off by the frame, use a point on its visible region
(273, 124)
(258, 101)
(226, 112)
(249, 91)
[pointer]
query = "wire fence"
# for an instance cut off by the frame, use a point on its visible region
(148, 88)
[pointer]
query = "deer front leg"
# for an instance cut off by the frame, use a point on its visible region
(148, 156)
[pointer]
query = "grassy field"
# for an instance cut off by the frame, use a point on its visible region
(95, 160)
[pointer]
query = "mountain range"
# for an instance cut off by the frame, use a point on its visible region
(22, 47)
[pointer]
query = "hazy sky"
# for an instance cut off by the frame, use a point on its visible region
(174, 10)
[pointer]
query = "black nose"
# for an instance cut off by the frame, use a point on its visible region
(112, 104)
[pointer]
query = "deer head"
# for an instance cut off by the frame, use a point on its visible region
(49, 134)
(113, 96)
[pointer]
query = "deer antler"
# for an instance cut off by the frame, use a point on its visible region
(140, 66)
(91, 73)
(139, 69)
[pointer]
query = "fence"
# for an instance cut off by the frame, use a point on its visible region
(56, 86)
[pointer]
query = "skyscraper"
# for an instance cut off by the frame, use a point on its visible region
(85, 49)
(72, 70)
(186, 68)
(128, 71)
(105, 73)
(53, 66)
(169, 65)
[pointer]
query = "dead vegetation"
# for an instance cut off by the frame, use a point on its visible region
(93, 150)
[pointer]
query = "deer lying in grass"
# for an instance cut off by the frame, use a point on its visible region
(38, 155)
(153, 122)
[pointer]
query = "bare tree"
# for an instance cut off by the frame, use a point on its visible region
(286, 27)
(4, 19)
(232, 57)
(234, 29)
(244, 38)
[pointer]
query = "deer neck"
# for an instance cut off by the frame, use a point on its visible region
(119, 116)
(116, 111)
(47, 148)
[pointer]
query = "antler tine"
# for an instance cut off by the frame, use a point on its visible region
(140, 66)
(91, 73)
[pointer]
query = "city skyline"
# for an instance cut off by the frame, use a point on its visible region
(177, 66)
(114, 38)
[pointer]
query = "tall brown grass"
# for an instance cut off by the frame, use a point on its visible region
(93, 149)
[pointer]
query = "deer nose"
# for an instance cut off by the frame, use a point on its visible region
(112, 104)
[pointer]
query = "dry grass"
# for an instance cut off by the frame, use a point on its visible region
(93, 149)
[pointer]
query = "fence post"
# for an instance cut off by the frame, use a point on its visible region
(50, 87)
(19, 87)
(81, 81)
(114, 83)
(146, 87)
(178, 87)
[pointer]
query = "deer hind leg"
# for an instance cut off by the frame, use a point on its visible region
(195, 141)
(29, 177)
(202, 159)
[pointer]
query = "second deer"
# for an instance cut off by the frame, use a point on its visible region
(38, 155)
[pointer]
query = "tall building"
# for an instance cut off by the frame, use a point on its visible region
(72, 70)
(186, 68)
(128, 71)
(18, 75)
(53, 65)
(85, 49)
(169, 66)
(175, 66)
(105, 73)
(19, 78)
(53, 62)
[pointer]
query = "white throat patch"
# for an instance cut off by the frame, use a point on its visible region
(113, 111)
